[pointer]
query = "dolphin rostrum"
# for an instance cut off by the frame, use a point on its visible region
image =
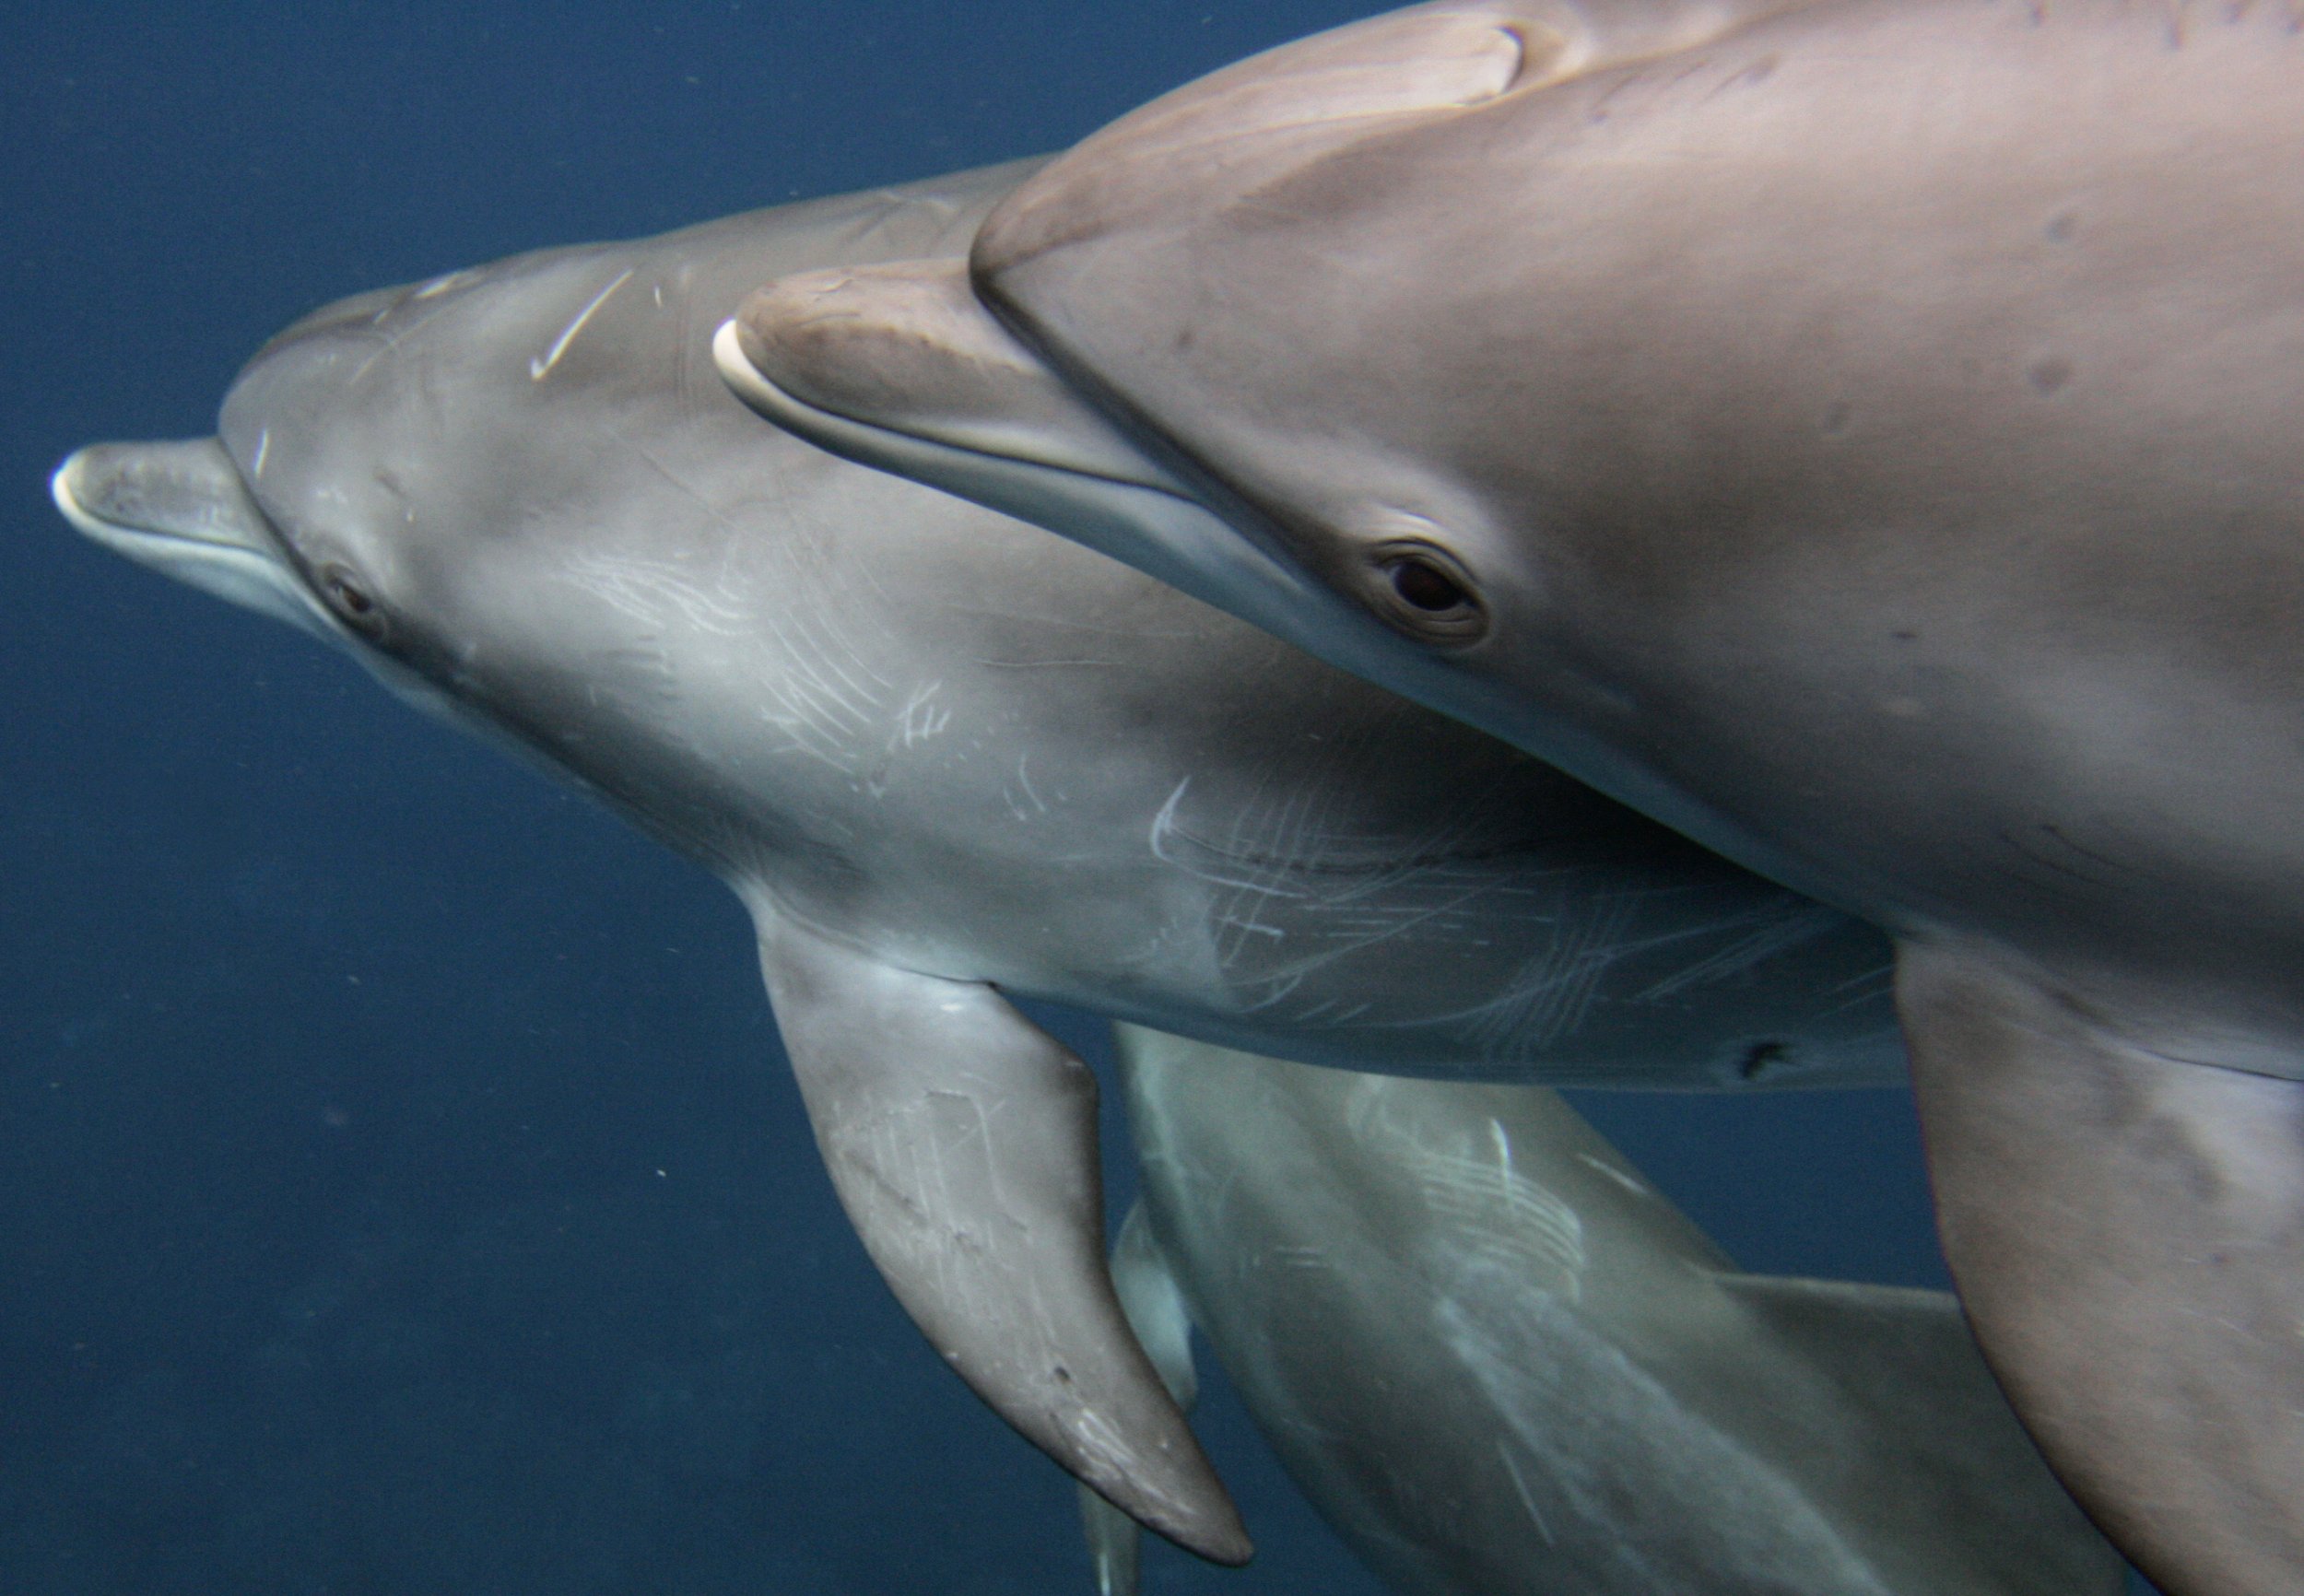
(944, 756)
(1500, 1363)
(1863, 436)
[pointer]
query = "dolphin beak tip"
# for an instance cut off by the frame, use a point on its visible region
(61, 485)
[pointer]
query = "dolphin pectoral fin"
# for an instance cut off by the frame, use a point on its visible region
(1903, 1364)
(1155, 1305)
(961, 1140)
(2128, 1234)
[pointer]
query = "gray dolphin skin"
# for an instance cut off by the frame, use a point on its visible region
(1501, 1364)
(1865, 438)
(944, 756)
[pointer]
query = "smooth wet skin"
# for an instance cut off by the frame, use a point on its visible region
(1865, 439)
(1500, 1363)
(943, 757)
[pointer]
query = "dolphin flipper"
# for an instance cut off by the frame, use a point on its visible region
(963, 1142)
(2128, 1234)
(1154, 1302)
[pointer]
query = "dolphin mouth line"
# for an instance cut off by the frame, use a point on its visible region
(875, 441)
(145, 543)
(1137, 514)
(183, 510)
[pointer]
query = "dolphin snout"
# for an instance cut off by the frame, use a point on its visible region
(907, 350)
(126, 495)
(181, 508)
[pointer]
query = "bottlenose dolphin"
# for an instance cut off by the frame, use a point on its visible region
(944, 756)
(1865, 438)
(1501, 1364)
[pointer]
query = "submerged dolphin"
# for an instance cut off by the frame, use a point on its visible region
(1865, 438)
(1501, 1364)
(943, 755)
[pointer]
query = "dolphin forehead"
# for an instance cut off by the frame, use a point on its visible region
(344, 402)
(1218, 141)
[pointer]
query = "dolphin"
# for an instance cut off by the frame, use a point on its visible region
(1500, 1363)
(1863, 436)
(943, 757)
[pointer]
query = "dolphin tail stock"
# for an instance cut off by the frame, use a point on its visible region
(1904, 1364)
(2127, 1230)
(1154, 1302)
(961, 1140)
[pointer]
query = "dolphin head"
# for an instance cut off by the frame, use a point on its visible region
(901, 367)
(1858, 441)
(181, 508)
(284, 515)
(1394, 572)
(1111, 368)
(287, 511)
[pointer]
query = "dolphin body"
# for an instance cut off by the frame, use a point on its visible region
(1863, 436)
(1500, 1363)
(942, 755)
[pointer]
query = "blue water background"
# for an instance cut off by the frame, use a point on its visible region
(402, 1192)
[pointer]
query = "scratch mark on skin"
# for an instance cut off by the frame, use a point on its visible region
(390, 341)
(1496, 1216)
(1061, 624)
(1024, 780)
(1755, 947)
(537, 370)
(1164, 827)
(1613, 1173)
(1549, 994)
(1044, 664)
(1520, 1485)
(1867, 988)
(641, 588)
(921, 718)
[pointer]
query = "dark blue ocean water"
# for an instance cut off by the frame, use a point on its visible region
(401, 1188)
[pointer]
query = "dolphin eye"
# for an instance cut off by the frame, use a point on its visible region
(1421, 589)
(1424, 585)
(353, 603)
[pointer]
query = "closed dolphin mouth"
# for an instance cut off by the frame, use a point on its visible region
(902, 369)
(906, 351)
(181, 508)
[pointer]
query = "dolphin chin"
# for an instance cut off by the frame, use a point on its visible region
(182, 510)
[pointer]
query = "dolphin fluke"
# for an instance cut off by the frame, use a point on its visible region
(2127, 1230)
(963, 1142)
